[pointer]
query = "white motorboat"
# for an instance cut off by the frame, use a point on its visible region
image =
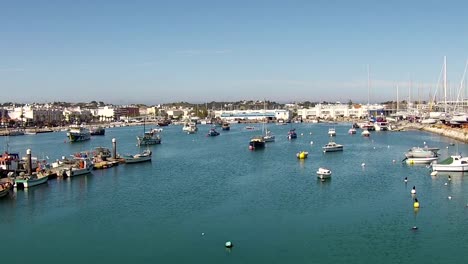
(417, 152)
(332, 147)
(381, 126)
(332, 132)
(352, 131)
(190, 127)
(365, 133)
(324, 173)
(141, 157)
(454, 163)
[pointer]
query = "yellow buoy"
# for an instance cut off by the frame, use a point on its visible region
(416, 205)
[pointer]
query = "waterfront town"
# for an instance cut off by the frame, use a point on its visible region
(36, 115)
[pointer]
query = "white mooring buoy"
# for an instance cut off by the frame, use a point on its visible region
(228, 244)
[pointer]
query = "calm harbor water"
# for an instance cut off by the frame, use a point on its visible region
(199, 192)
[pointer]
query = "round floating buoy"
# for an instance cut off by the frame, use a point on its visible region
(302, 134)
(450, 197)
(393, 161)
(414, 228)
(449, 178)
(413, 191)
(445, 184)
(311, 142)
(416, 203)
(228, 244)
(202, 234)
(310, 133)
(363, 164)
(406, 179)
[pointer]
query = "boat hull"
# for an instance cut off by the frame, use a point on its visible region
(420, 160)
(137, 160)
(26, 183)
(443, 167)
(77, 172)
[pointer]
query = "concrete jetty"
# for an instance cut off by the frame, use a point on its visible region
(460, 134)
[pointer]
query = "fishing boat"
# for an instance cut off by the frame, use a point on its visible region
(453, 163)
(27, 181)
(83, 165)
(268, 137)
(331, 132)
(332, 147)
(98, 131)
(302, 155)
(5, 188)
(323, 173)
(365, 133)
(140, 157)
(78, 133)
(149, 137)
(256, 142)
(292, 133)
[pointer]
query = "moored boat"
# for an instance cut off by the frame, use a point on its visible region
(140, 157)
(331, 132)
(323, 173)
(27, 181)
(365, 133)
(82, 166)
(352, 131)
(332, 147)
(453, 163)
(5, 188)
(226, 126)
(256, 142)
(292, 133)
(98, 131)
(212, 132)
(420, 160)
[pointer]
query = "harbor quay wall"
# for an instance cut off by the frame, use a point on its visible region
(460, 134)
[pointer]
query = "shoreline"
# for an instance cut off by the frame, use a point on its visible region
(460, 134)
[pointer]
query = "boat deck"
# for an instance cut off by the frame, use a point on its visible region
(446, 161)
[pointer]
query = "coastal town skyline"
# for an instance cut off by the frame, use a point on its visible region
(197, 52)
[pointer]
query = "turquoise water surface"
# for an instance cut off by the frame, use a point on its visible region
(199, 192)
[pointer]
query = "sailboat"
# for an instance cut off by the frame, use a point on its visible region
(149, 137)
(267, 135)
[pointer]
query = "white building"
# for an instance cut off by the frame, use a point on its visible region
(251, 115)
(324, 111)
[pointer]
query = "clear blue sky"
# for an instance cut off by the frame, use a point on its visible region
(162, 51)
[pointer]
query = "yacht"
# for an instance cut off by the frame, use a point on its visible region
(453, 163)
(331, 132)
(332, 147)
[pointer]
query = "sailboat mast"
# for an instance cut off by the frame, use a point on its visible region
(445, 84)
(368, 90)
(397, 100)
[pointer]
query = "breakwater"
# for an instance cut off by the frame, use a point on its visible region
(460, 134)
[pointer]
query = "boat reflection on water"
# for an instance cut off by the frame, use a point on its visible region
(449, 177)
